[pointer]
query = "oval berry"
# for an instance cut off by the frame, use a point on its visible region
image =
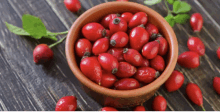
(216, 84)
(146, 74)
(159, 103)
(138, 37)
(194, 93)
(218, 53)
(93, 31)
(189, 59)
(117, 53)
(67, 103)
(106, 20)
(175, 81)
(163, 47)
(139, 108)
(108, 109)
(119, 39)
(125, 70)
(91, 68)
(150, 50)
(196, 22)
(42, 53)
(152, 30)
(83, 47)
(145, 63)
(138, 19)
(108, 79)
(127, 16)
(132, 56)
(196, 45)
(100, 46)
(158, 63)
(127, 84)
(72, 5)
(108, 62)
(117, 24)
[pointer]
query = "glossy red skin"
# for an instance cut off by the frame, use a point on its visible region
(139, 108)
(196, 22)
(145, 63)
(82, 46)
(159, 103)
(195, 44)
(138, 19)
(72, 5)
(151, 29)
(145, 74)
(106, 20)
(133, 57)
(108, 62)
(158, 63)
(216, 84)
(127, 84)
(100, 46)
(138, 37)
(108, 79)
(42, 53)
(117, 53)
(108, 109)
(92, 31)
(189, 59)
(121, 39)
(194, 93)
(91, 68)
(218, 53)
(163, 47)
(150, 50)
(122, 26)
(108, 34)
(175, 81)
(127, 16)
(66, 103)
(125, 70)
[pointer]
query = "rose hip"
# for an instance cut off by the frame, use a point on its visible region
(42, 53)
(194, 93)
(146, 74)
(108, 79)
(127, 84)
(196, 22)
(100, 46)
(163, 48)
(175, 81)
(139, 108)
(83, 47)
(138, 19)
(195, 44)
(125, 70)
(72, 5)
(159, 103)
(119, 39)
(145, 63)
(127, 16)
(117, 53)
(108, 62)
(216, 84)
(117, 24)
(150, 50)
(108, 109)
(108, 33)
(132, 56)
(218, 53)
(158, 63)
(67, 103)
(189, 59)
(152, 30)
(106, 20)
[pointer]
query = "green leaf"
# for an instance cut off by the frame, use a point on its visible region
(34, 26)
(170, 19)
(181, 18)
(181, 7)
(170, 1)
(16, 30)
(152, 2)
(52, 37)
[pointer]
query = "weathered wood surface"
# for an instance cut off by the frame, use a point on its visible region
(26, 86)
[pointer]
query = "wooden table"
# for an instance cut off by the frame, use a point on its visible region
(27, 86)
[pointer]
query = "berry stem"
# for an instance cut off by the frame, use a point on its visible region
(203, 108)
(54, 44)
(59, 33)
(168, 9)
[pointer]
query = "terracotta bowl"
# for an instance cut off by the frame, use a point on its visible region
(120, 98)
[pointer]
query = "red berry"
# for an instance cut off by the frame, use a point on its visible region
(67, 103)
(216, 84)
(108, 34)
(127, 16)
(146, 74)
(150, 50)
(117, 24)
(91, 68)
(83, 47)
(196, 45)
(196, 22)
(108, 62)
(138, 37)
(194, 93)
(159, 103)
(175, 81)
(93, 31)
(108, 79)
(42, 53)
(163, 47)
(100, 46)
(145, 63)
(139, 108)
(132, 56)
(218, 53)
(152, 30)
(125, 70)
(72, 5)
(189, 59)
(138, 19)
(127, 84)
(158, 63)
(106, 20)
(119, 39)
(108, 109)
(117, 53)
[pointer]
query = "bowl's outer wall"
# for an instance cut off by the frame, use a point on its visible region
(119, 98)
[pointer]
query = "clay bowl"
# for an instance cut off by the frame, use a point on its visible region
(119, 98)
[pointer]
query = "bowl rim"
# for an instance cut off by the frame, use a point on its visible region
(173, 47)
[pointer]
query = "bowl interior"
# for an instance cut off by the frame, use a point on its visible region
(94, 15)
